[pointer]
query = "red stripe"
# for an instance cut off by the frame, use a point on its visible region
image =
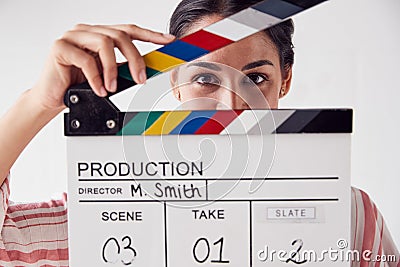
(2, 199)
(37, 242)
(206, 40)
(369, 227)
(38, 215)
(218, 122)
(33, 225)
(33, 206)
(375, 211)
(35, 256)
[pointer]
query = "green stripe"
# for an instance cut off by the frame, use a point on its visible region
(150, 72)
(123, 71)
(140, 123)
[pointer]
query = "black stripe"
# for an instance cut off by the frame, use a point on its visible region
(297, 121)
(318, 121)
(278, 8)
(305, 3)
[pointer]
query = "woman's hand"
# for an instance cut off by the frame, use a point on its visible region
(86, 53)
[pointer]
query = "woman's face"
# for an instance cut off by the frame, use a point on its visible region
(256, 57)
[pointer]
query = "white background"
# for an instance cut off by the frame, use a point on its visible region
(346, 56)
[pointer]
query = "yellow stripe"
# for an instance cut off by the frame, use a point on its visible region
(160, 61)
(167, 122)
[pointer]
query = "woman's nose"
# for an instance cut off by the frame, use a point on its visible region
(229, 99)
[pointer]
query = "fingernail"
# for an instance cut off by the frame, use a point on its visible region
(169, 36)
(142, 76)
(113, 85)
(103, 91)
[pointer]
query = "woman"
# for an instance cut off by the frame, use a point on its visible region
(36, 234)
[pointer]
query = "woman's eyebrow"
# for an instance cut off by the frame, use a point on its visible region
(256, 64)
(206, 65)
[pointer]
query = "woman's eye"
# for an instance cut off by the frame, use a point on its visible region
(206, 79)
(256, 78)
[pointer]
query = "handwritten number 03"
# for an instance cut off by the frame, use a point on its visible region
(117, 245)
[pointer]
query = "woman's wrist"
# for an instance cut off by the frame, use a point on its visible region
(23, 121)
(29, 115)
(33, 102)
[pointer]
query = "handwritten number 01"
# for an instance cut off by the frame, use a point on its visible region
(219, 242)
(118, 247)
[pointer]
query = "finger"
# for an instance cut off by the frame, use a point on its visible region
(69, 55)
(124, 43)
(146, 35)
(104, 46)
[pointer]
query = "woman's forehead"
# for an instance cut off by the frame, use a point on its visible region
(253, 48)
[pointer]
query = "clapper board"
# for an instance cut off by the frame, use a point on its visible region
(182, 188)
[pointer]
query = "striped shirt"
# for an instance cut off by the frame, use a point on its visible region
(36, 234)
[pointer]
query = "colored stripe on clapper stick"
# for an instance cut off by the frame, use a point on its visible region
(139, 123)
(218, 122)
(167, 122)
(222, 33)
(193, 122)
(233, 122)
(179, 122)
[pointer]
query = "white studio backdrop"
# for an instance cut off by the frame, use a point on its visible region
(346, 56)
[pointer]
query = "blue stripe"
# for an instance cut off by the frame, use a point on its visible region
(183, 50)
(278, 8)
(193, 122)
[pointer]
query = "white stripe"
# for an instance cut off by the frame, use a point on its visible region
(255, 19)
(38, 263)
(36, 234)
(32, 247)
(388, 246)
(231, 29)
(269, 124)
(377, 237)
(245, 122)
